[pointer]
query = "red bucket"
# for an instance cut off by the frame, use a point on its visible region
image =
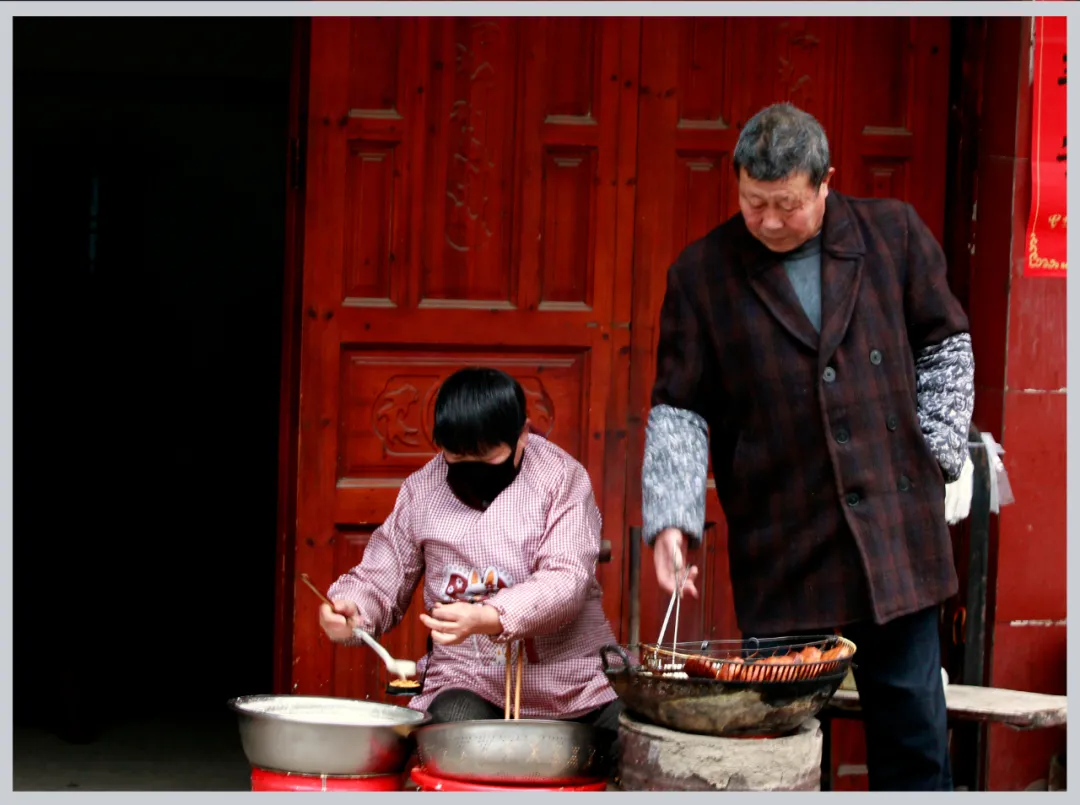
(430, 782)
(263, 780)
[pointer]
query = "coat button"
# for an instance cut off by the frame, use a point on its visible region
(903, 484)
(829, 375)
(852, 499)
(842, 436)
(890, 422)
(875, 357)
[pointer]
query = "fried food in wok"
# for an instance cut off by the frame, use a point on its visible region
(804, 663)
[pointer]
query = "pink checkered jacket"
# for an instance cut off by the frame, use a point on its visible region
(532, 555)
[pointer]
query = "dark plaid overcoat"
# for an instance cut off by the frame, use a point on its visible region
(834, 502)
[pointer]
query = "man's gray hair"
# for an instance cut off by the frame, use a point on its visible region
(782, 140)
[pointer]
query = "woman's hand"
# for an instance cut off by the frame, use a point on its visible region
(339, 622)
(450, 624)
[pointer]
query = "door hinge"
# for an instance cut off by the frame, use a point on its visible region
(605, 551)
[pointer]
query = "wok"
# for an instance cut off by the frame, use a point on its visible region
(708, 706)
(323, 735)
(515, 750)
(509, 751)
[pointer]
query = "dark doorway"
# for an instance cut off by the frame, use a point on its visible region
(150, 164)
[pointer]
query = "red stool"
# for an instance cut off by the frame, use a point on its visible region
(264, 780)
(430, 782)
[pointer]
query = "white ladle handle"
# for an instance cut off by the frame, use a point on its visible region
(391, 663)
(402, 668)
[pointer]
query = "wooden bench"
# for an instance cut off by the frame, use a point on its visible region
(1014, 708)
(968, 705)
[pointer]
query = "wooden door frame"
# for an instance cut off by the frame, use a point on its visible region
(289, 410)
(619, 423)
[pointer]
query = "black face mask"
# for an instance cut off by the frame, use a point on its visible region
(477, 483)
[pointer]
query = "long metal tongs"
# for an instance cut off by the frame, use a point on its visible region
(675, 603)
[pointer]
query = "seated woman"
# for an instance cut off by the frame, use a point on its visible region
(504, 528)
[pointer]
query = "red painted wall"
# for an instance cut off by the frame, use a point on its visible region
(1019, 330)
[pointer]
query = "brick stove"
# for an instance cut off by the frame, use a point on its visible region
(654, 758)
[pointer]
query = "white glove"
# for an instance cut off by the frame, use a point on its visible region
(958, 495)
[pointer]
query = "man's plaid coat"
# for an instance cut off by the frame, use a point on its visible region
(834, 501)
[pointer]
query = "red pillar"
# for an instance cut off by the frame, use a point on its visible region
(1018, 328)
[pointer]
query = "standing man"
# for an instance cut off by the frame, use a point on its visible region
(813, 340)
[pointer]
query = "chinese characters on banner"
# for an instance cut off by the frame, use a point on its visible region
(1046, 234)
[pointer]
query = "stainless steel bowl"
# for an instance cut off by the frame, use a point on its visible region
(515, 751)
(325, 735)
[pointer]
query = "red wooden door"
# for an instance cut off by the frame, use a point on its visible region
(462, 199)
(878, 85)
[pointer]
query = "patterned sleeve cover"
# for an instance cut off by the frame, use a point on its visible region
(674, 473)
(938, 332)
(676, 460)
(945, 393)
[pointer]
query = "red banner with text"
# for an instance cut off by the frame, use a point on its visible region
(1047, 224)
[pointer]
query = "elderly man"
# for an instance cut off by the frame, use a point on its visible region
(813, 340)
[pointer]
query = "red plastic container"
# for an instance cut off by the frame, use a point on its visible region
(263, 780)
(429, 782)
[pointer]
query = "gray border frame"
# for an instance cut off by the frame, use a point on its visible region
(8, 10)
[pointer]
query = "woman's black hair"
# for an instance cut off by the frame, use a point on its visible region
(477, 410)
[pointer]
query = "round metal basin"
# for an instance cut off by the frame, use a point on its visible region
(325, 735)
(514, 751)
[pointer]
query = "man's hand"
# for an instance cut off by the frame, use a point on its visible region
(669, 551)
(339, 622)
(958, 495)
(450, 624)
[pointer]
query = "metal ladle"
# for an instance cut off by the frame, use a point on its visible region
(404, 669)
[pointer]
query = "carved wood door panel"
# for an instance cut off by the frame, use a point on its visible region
(462, 198)
(878, 85)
